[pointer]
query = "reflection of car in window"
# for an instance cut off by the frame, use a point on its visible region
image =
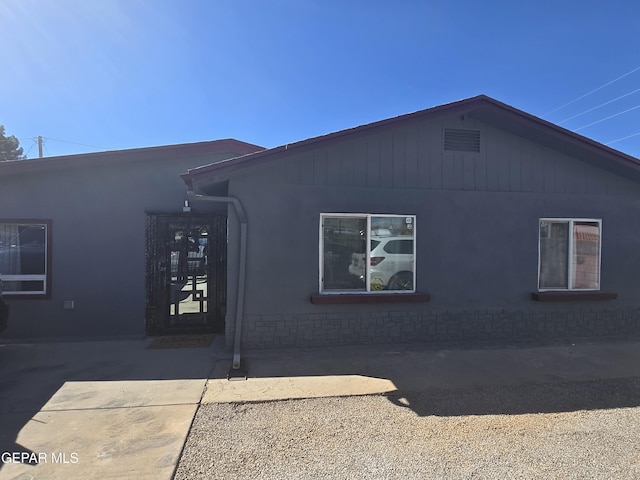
(390, 263)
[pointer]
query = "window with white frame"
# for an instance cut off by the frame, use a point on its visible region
(362, 253)
(24, 256)
(569, 254)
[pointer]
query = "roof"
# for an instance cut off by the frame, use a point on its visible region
(481, 107)
(185, 150)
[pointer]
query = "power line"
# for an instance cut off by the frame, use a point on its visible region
(30, 148)
(34, 139)
(597, 107)
(592, 91)
(76, 143)
(623, 138)
(607, 118)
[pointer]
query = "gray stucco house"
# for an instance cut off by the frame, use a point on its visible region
(468, 221)
(73, 238)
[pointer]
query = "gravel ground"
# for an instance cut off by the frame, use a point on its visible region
(585, 430)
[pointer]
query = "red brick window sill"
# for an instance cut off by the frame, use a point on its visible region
(348, 298)
(572, 296)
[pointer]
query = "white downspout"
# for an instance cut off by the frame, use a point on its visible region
(242, 218)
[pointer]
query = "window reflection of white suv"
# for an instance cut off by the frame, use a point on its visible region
(391, 263)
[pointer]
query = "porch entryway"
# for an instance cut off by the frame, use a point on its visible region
(186, 258)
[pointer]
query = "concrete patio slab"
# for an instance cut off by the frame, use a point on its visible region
(118, 443)
(110, 409)
(125, 393)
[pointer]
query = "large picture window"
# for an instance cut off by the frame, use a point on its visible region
(24, 257)
(367, 253)
(569, 257)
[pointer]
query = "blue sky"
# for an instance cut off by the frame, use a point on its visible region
(114, 74)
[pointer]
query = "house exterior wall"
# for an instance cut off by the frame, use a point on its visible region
(98, 242)
(476, 233)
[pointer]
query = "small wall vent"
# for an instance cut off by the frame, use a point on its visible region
(457, 140)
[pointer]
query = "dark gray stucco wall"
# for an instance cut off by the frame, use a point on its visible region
(98, 244)
(477, 239)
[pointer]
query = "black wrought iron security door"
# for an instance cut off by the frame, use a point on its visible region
(186, 273)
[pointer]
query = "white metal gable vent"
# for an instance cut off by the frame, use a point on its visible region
(457, 140)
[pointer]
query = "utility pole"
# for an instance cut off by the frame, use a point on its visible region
(39, 146)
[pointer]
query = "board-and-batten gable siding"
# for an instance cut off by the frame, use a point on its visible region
(413, 158)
